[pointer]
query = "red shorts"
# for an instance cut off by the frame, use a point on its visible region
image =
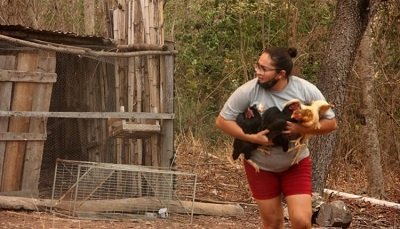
(267, 185)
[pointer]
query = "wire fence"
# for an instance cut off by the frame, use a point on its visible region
(116, 191)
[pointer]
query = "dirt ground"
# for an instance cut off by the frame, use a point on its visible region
(219, 181)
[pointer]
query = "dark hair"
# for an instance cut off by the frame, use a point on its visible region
(282, 58)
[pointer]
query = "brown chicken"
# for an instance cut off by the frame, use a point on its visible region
(308, 116)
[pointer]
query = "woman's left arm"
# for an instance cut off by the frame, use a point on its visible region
(326, 126)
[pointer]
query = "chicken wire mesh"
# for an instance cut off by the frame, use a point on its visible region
(117, 191)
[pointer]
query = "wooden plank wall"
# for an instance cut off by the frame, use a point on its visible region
(139, 87)
(21, 160)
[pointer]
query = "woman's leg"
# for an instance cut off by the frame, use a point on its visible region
(300, 211)
(296, 186)
(266, 191)
(271, 213)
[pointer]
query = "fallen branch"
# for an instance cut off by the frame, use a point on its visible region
(122, 205)
(361, 198)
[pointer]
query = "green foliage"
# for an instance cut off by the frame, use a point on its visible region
(219, 41)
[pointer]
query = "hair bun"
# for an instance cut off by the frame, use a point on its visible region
(292, 52)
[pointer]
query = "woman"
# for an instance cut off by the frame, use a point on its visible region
(274, 86)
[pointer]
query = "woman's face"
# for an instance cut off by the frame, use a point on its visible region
(266, 73)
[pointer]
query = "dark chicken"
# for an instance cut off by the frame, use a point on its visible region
(275, 121)
(250, 122)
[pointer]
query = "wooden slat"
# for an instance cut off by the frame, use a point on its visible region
(24, 76)
(15, 150)
(6, 62)
(34, 149)
(141, 127)
(5, 101)
(11, 136)
(139, 84)
(154, 89)
(123, 129)
(88, 115)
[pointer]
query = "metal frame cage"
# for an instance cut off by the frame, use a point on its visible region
(117, 191)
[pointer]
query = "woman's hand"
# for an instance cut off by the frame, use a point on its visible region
(293, 129)
(260, 138)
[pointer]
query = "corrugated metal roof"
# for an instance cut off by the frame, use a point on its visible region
(28, 33)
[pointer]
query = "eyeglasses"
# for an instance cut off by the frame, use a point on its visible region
(263, 69)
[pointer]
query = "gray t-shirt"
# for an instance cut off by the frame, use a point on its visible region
(251, 93)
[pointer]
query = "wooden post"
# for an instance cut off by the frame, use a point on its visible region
(167, 131)
(138, 37)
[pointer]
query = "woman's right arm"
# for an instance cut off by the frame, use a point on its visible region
(231, 128)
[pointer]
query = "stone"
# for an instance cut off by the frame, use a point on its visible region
(334, 214)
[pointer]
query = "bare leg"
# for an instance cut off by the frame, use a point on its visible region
(300, 211)
(271, 212)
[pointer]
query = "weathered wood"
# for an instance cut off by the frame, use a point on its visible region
(123, 205)
(6, 62)
(84, 52)
(34, 149)
(88, 115)
(120, 35)
(140, 46)
(24, 203)
(139, 85)
(167, 143)
(154, 83)
(124, 129)
(131, 98)
(15, 150)
(140, 25)
(145, 18)
(11, 136)
(24, 76)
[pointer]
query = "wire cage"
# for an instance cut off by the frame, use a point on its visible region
(117, 191)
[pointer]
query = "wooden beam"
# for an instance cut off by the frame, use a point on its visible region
(141, 46)
(78, 51)
(24, 76)
(88, 115)
(11, 136)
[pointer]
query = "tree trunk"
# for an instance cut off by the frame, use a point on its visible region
(365, 69)
(345, 36)
(89, 12)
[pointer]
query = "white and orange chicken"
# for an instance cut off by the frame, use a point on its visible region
(308, 116)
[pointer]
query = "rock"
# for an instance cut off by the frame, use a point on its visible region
(334, 214)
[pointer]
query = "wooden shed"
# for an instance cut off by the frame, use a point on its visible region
(80, 98)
